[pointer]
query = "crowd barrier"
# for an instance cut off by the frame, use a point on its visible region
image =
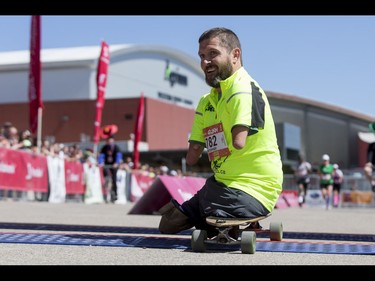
(22, 172)
(58, 179)
(355, 192)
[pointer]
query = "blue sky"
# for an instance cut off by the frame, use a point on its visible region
(324, 58)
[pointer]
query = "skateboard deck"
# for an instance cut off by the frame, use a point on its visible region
(234, 231)
(224, 222)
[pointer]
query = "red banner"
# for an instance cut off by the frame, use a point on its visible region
(287, 198)
(140, 183)
(74, 177)
(35, 93)
(138, 131)
(101, 81)
(23, 171)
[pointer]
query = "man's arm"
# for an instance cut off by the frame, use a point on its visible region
(239, 136)
(194, 153)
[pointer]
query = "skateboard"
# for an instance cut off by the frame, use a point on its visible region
(237, 226)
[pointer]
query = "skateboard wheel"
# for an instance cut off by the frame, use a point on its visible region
(248, 242)
(276, 231)
(197, 240)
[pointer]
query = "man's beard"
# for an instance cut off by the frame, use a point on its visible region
(225, 71)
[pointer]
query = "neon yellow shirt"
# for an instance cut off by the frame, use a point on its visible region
(257, 168)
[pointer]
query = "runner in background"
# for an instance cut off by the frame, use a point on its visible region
(302, 175)
(338, 178)
(326, 180)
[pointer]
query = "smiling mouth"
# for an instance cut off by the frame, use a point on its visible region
(210, 71)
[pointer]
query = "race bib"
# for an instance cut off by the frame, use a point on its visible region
(215, 141)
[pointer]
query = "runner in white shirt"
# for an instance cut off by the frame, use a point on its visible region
(302, 174)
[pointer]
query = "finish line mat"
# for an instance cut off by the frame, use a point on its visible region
(182, 243)
(151, 238)
(152, 230)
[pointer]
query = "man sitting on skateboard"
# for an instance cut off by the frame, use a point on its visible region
(235, 124)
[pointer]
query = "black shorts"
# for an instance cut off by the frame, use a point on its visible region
(304, 181)
(337, 186)
(216, 199)
(325, 185)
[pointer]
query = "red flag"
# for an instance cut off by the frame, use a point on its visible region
(35, 93)
(101, 81)
(138, 131)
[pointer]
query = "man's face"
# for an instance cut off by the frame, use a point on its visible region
(216, 62)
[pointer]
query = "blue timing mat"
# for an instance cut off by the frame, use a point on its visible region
(152, 230)
(181, 243)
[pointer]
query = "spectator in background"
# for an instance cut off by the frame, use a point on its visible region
(74, 152)
(46, 148)
(302, 175)
(5, 129)
(326, 180)
(4, 141)
(338, 178)
(163, 170)
(13, 137)
(25, 141)
(129, 161)
(111, 156)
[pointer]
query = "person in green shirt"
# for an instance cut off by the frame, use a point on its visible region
(326, 180)
(234, 123)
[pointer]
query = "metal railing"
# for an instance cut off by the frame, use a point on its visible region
(351, 182)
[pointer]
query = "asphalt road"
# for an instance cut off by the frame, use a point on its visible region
(307, 220)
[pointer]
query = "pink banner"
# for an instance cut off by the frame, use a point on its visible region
(35, 92)
(101, 81)
(163, 189)
(74, 177)
(182, 189)
(23, 171)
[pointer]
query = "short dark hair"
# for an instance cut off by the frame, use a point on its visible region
(228, 39)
